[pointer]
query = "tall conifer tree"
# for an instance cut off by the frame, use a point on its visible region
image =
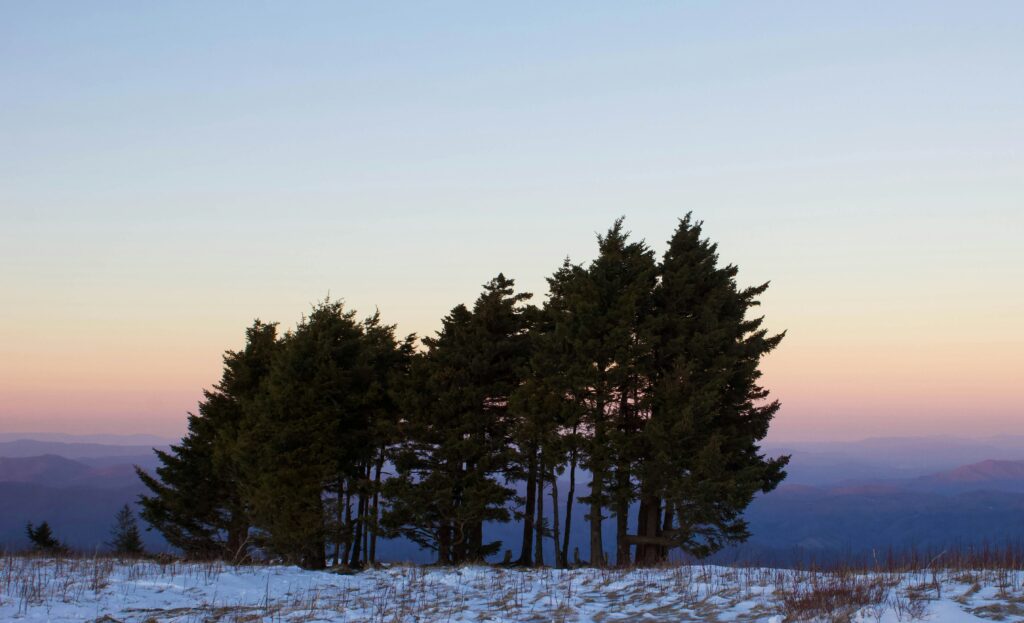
(309, 434)
(702, 464)
(458, 431)
(196, 500)
(592, 360)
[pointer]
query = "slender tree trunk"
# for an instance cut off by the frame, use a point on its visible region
(348, 521)
(477, 541)
(444, 544)
(665, 527)
(339, 522)
(376, 507)
(554, 518)
(622, 557)
(597, 558)
(357, 539)
(568, 505)
(459, 542)
(654, 527)
(538, 557)
(649, 524)
(641, 530)
(365, 516)
(525, 558)
(622, 483)
(596, 546)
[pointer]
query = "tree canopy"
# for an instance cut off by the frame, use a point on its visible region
(641, 374)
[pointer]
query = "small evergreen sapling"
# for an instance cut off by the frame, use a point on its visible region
(125, 537)
(42, 538)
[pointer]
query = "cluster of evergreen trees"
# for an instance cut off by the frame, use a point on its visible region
(643, 373)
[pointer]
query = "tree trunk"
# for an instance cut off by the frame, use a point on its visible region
(622, 484)
(365, 516)
(376, 508)
(477, 542)
(649, 525)
(597, 476)
(622, 557)
(641, 529)
(348, 521)
(665, 527)
(538, 557)
(596, 546)
(339, 523)
(444, 544)
(554, 517)
(357, 539)
(525, 558)
(568, 506)
(459, 542)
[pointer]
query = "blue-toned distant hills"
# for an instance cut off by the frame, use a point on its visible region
(76, 486)
(841, 499)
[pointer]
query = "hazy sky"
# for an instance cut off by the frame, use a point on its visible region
(169, 171)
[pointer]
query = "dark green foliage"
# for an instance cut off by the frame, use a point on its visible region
(308, 432)
(648, 371)
(387, 361)
(643, 372)
(42, 538)
(701, 461)
(196, 500)
(591, 360)
(457, 430)
(125, 538)
(317, 436)
(186, 504)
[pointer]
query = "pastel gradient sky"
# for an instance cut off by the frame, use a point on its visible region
(169, 171)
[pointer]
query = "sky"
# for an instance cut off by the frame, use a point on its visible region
(171, 171)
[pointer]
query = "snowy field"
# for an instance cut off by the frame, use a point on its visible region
(104, 590)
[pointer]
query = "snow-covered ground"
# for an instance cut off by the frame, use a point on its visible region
(107, 591)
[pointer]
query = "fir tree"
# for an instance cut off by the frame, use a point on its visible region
(185, 504)
(42, 538)
(594, 364)
(701, 465)
(388, 360)
(196, 495)
(457, 441)
(622, 278)
(562, 379)
(546, 424)
(309, 438)
(125, 537)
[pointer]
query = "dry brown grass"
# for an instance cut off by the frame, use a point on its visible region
(987, 582)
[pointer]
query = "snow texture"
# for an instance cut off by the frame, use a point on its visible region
(103, 590)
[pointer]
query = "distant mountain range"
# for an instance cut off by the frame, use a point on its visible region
(22, 448)
(104, 439)
(984, 472)
(76, 487)
(889, 458)
(823, 524)
(56, 471)
(855, 498)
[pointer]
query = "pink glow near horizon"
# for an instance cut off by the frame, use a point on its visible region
(836, 388)
(159, 191)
